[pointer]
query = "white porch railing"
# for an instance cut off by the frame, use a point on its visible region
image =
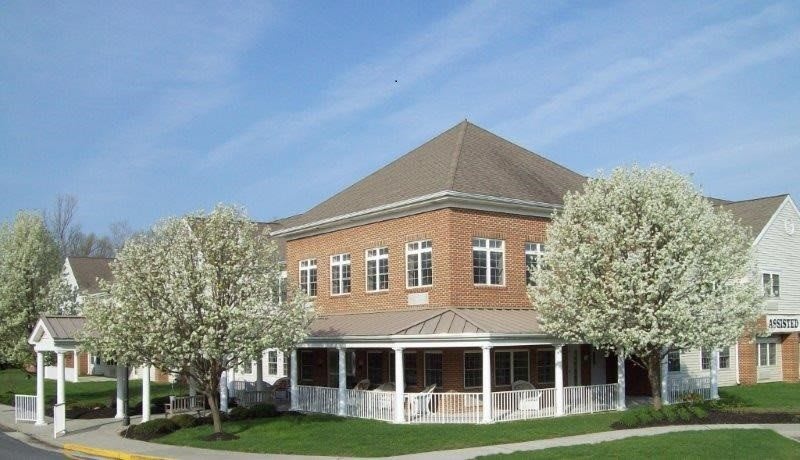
(444, 407)
(322, 400)
(24, 408)
(459, 407)
(247, 398)
(588, 399)
(679, 388)
(375, 405)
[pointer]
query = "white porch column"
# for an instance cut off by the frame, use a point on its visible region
(399, 386)
(60, 377)
(342, 381)
(559, 379)
(192, 386)
(260, 373)
(665, 379)
(487, 383)
(40, 388)
(223, 392)
(620, 381)
(75, 366)
(145, 393)
(714, 374)
(293, 380)
(120, 391)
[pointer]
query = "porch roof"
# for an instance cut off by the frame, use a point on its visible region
(436, 321)
(56, 332)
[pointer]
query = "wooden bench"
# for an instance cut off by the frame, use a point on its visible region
(185, 404)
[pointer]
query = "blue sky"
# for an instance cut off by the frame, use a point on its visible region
(149, 109)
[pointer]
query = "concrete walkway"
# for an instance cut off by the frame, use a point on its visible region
(103, 434)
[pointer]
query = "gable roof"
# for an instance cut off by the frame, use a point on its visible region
(429, 321)
(466, 159)
(755, 213)
(88, 270)
(55, 330)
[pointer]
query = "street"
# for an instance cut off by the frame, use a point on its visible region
(12, 449)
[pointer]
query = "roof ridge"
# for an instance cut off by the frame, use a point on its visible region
(426, 319)
(459, 148)
(759, 198)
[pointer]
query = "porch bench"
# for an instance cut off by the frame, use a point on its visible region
(185, 404)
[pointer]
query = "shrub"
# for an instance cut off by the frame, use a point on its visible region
(669, 413)
(693, 398)
(239, 413)
(629, 420)
(657, 415)
(698, 412)
(684, 414)
(263, 411)
(152, 429)
(184, 420)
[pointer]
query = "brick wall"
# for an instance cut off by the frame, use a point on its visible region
(451, 232)
(83, 364)
(790, 349)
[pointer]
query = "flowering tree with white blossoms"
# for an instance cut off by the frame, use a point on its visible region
(195, 296)
(640, 263)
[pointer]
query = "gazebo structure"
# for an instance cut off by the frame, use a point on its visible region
(58, 334)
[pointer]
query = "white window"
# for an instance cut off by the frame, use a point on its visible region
(767, 354)
(487, 261)
(724, 358)
(473, 369)
(433, 368)
(377, 269)
(545, 367)
(510, 366)
(772, 284)
(533, 257)
(409, 368)
(333, 366)
(340, 274)
(308, 277)
(272, 362)
(419, 264)
(674, 361)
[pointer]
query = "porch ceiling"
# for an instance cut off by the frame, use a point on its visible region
(437, 321)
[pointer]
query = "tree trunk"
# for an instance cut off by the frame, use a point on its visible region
(654, 375)
(212, 403)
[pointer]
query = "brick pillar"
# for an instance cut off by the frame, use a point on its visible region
(790, 350)
(748, 373)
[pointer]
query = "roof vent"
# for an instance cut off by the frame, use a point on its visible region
(789, 225)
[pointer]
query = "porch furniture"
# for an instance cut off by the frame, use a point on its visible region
(388, 386)
(362, 385)
(532, 396)
(185, 404)
(420, 404)
(280, 389)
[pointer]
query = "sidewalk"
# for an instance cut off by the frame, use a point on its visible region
(103, 434)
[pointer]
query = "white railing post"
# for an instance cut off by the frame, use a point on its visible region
(120, 379)
(714, 374)
(40, 388)
(60, 377)
(260, 372)
(665, 379)
(145, 393)
(293, 397)
(620, 380)
(342, 381)
(223, 392)
(399, 389)
(487, 384)
(559, 380)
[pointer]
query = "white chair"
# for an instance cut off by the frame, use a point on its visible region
(385, 400)
(529, 400)
(420, 404)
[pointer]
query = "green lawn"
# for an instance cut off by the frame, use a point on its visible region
(329, 435)
(768, 396)
(693, 444)
(85, 394)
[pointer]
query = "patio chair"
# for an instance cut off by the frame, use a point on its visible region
(388, 386)
(280, 389)
(420, 404)
(362, 385)
(532, 396)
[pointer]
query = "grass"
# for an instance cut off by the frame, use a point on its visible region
(692, 444)
(780, 396)
(84, 394)
(329, 435)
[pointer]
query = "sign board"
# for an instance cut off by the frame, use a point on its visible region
(59, 420)
(783, 323)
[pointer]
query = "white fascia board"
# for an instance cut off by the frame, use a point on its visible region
(69, 274)
(430, 341)
(425, 203)
(773, 218)
(37, 332)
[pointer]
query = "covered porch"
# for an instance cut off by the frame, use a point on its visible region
(450, 366)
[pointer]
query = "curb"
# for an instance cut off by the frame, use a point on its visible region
(107, 453)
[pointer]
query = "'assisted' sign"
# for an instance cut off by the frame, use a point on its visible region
(783, 323)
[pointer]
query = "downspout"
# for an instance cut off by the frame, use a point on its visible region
(738, 379)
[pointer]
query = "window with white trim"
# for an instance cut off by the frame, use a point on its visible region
(545, 367)
(772, 284)
(272, 362)
(286, 358)
(306, 365)
(674, 361)
(725, 358)
(419, 264)
(377, 269)
(510, 366)
(340, 274)
(767, 354)
(473, 369)
(409, 368)
(488, 261)
(308, 277)
(533, 256)
(433, 368)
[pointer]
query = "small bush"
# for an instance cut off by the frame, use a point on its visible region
(657, 415)
(263, 411)
(646, 418)
(670, 413)
(629, 420)
(684, 414)
(184, 420)
(692, 398)
(698, 412)
(152, 429)
(239, 413)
